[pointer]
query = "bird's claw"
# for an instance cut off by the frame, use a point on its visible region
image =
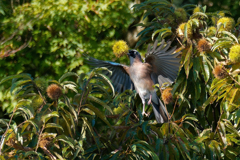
(145, 114)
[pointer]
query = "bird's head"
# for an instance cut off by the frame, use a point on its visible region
(132, 54)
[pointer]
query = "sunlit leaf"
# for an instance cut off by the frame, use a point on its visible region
(53, 125)
(48, 116)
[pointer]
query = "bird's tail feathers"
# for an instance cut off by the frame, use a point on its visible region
(160, 112)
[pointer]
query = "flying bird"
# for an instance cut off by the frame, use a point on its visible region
(160, 66)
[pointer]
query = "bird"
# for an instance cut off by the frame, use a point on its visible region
(159, 66)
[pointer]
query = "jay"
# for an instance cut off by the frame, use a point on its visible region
(160, 66)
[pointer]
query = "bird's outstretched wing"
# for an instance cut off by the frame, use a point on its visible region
(164, 63)
(120, 73)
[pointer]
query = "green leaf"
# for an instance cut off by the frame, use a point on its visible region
(183, 146)
(4, 121)
(53, 125)
(54, 81)
(205, 70)
(65, 139)
(28, 153)
(27, 111)
(221, 44)
(230, 128)
(174, 151)
(67, 123)
(71, 87)
(134, 148)
(187, 64)
(180, 80)
(46, 117)
(216, 146)
(190, 117)
(163, 32)
(59, 156)
(99, 114)
(198, 14)
(23, 75)
(107, 81)
(100, 102)
(166, 152)
(67, 75)
(31, 121)
(196, 68)
(91, 131)
(229, 34)
(186, 31)
(144, 127)
(19, 83)
(67, 102)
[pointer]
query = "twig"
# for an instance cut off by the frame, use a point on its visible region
(231, 77)
(41, 96)
(14, 33)
(135, 116)
(180, 43)
(10, 52)
(174, 108)
(39, 137)
(218, 123)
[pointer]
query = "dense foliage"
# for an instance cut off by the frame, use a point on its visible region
(49, 37)
(79, 116)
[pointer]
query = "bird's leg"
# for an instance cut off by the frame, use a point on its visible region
(143, 111)
(150, 100)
